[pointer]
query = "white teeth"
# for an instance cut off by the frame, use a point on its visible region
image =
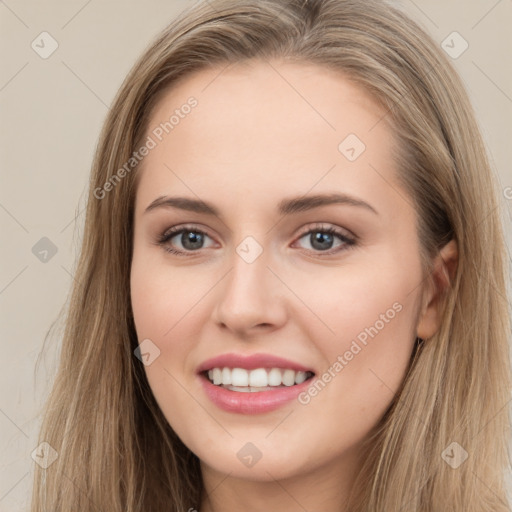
(300, 377)
(259, 379)
(288, 377)
(239, 377)
(242, 389)
(226, 376)
(274, 377)
(217, 376)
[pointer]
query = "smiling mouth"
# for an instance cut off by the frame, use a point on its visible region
(258, 379)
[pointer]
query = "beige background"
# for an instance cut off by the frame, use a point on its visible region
(52, 111)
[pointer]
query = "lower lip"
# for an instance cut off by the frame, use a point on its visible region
(254, 402)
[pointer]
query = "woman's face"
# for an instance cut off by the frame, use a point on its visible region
(297, 254)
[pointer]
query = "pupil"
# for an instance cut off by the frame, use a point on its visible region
(321, 240)
(192, 240)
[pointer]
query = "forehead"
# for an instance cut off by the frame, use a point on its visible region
(264, 126)
(269, 97)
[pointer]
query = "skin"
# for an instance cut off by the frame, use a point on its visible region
(263, 132)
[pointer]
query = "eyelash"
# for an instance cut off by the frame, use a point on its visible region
(167, 235)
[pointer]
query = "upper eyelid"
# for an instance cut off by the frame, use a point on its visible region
(319, 226)
(176, 230)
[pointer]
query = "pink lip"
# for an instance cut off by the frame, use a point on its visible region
(250, 362)
(250, 403)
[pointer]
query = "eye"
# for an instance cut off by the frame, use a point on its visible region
(190, 238)
(185, 240)
(323, 239)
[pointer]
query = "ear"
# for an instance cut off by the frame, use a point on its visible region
(443, 273)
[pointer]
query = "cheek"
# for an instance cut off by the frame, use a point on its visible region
(169, 308)
(365, 333)
(166, 307)
(362, 301)
(164, 299)
(359, 382)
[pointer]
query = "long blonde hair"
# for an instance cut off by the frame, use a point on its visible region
(117, 453)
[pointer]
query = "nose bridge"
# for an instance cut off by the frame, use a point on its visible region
(249, 296)
(247, 282)
(251, 260)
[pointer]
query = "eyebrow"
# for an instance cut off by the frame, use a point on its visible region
(285, 207)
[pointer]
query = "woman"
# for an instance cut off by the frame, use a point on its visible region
(291, 290)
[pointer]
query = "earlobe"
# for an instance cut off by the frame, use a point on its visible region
(440, 280)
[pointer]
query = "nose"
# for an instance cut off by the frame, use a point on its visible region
(250, 299)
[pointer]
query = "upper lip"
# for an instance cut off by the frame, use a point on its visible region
(250, 362)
